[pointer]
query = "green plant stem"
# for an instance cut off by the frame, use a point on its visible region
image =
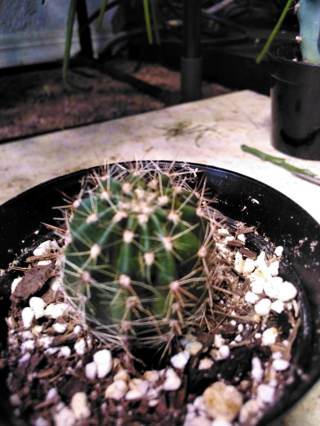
(154, 14)
(68, 40)
(281, 162)
(147, 18)
(104, 4)
(274, 32)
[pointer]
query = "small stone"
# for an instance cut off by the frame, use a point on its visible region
(37, 304)
(122, 375)
(280, 364)
(15, 400)
(257, 371)
(77, 329)
(274, 268)
(103, 361)
(263, 307)
(249, 411)
(137, 389)
(271, 288)
(64, 352)
(251, 297)
(45, 341)
(79, 406)
(64, 417)
(205, 364)
(80, 347)
(269, 336)
(40, 421)
(287, 291)
(59, 327)
(222, 401)
(14, 284)
(224, 352)
(172, 381)
(194, 347)
(277, 307)
(241, 237)
(152, 376)
(238, 262)
(55, 310)
(180, 360)
(221, 422)
(116, 390)
(27, 315)
(45, 248)
(91, 370)
(218, 340)
(249, 266)
(257, 286)
(265, 393)
(278, 251)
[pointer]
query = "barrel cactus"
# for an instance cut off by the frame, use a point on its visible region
(136, 257)
(309, 20)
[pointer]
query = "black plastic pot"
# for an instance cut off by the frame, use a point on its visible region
(239, 197)
(295, 94)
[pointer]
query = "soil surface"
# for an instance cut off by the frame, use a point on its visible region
(34, 101)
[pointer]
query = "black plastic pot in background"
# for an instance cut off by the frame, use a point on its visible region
(295, 95)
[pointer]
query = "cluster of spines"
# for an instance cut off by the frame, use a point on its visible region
(137, 258)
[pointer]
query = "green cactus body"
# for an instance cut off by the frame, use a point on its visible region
(135, 260)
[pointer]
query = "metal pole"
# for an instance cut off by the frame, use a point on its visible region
(191, 61)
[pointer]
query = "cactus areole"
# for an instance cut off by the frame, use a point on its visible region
(136, 258)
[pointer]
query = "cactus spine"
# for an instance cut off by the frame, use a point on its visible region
(136, 260)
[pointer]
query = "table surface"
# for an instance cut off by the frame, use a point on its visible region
(210, 131)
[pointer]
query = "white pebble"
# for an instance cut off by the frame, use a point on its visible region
(64, 352)
(64, 417)
(79, 406)
(40, 421)
(44, 262)
(27, 317)
(251, 297)
(180, 360)
(55, 310)
(278, 251)
(248, 266)
(238, 262)
(241, 237)
(277, 306)
(269, 336)
(14, 283)
(257, 371)
(218, 340)
(56, 283)
(280, 364)
(205, 364)
(25, 358)
(265, 393)
(193, 347)
(45, 341)
(59, 327)
(172, 381)
(271, 288)
(80, 347)
(77, 329)
(116, 390)
(91, 370)
(103, 361)
(37, 304)
(27, 345)
(274, 268)
(263, 307)
(137, 389)
(221, 422)
(287, 291)
(224, 352)
(46, 247)
(257, 286)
